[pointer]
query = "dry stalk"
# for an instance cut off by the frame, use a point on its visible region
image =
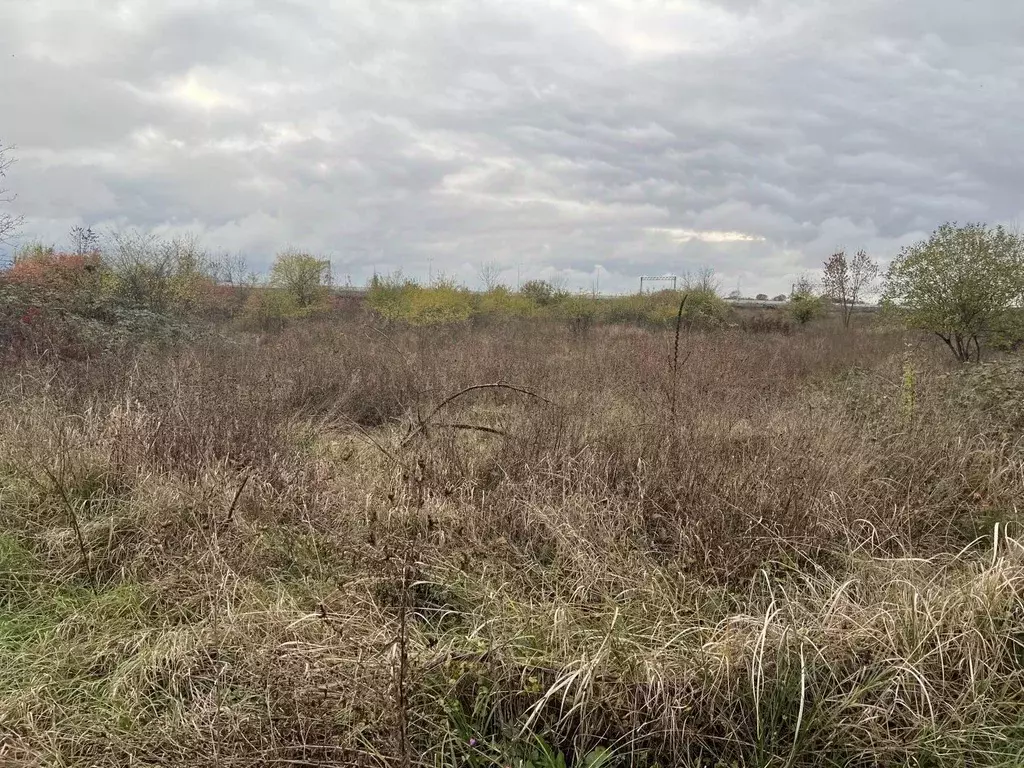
(424, 423)
(674, 392)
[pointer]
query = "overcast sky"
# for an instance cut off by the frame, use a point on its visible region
(592, 141)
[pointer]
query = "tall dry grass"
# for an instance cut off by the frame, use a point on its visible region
(333, 547)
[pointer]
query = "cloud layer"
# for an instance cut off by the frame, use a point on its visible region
(587, 140)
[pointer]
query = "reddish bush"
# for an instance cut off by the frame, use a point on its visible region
(62, 273)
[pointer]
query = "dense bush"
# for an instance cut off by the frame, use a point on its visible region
(396, 298)
(82, 304)
(503, 302)
(805, 307)
(542, 293)
(75, 278)
(34, 322)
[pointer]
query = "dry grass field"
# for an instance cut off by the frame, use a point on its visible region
(512, 543)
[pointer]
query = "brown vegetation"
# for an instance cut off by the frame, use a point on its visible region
(766, 549)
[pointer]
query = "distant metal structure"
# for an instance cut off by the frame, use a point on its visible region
(658, 278)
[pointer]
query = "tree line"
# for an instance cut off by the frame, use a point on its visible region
(964, 283)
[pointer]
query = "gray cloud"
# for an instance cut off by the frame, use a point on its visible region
(553, 138)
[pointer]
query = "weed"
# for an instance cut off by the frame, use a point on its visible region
(647, 540)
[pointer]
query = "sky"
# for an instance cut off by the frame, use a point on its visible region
(585, 142)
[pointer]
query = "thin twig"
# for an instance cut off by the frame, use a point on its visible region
(374, 442)
(402, 668)
(423, 423)
(473, 428)
(673, 395)
(234, 501)
(73, 516)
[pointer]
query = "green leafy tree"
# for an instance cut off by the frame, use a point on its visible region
(846, 280)
(303, 277)
(964, 284)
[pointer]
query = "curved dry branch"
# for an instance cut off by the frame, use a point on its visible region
(425, 422)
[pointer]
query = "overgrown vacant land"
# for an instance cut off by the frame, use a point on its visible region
(518, 539)
(304, 550)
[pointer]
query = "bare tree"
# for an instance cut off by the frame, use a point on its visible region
(490, 275)
(84, 240)
(803, 286)
(230, 269)
(703, 281)
(9, 223)
(847, 280)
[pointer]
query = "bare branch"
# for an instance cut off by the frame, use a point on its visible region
(490, 275)
(424, 423)
(9, 223)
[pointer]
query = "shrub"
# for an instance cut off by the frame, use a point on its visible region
(542, 293)
(389, 295)
(579, 312)
(706, 308)
(396, 298)
(805, 304)
(161, 276)
(655, 309)
(503, 302)
(70, 279)
(269, 309)
(1008, 334)
(440, 304)
(33, 323)
(803, 308)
